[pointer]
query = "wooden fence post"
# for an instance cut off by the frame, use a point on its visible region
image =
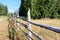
(29, 25)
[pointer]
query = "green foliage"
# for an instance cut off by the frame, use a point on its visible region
(58, 16)
(3, 9)
(24, 8)
(40, 8)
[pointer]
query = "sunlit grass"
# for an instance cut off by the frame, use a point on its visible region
(46, 34)
(4, 28)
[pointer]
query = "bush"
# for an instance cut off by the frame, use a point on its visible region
(58, 16)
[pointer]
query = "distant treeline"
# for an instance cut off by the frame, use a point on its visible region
(40, 8)
(3, 9)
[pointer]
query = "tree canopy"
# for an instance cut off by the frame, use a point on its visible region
(40, 8)
(3, 9)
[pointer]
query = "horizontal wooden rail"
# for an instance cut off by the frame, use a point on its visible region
(35, 34)
(55, 29)
(52, 28)
(26, 34)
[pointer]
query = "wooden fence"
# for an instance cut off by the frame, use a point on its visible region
(14, 24)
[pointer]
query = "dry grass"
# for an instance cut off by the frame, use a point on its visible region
(4, 29)
(46, 34)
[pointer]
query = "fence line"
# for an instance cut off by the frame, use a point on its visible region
(39, 37)
(52, 28)
(10, 26)
(14, 20)
(35, 34)
(25, 33)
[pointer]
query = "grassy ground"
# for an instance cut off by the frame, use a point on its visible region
(46, 34)
(4, 29)
(1, 16)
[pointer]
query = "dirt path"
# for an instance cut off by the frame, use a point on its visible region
(4, 29)
(2, 19)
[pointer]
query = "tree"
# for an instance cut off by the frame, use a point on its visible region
(40, 8)
(3, 9)
(24, 8)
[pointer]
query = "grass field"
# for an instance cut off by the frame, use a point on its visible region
(1, 16)
(4, 28)
(46, 34)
